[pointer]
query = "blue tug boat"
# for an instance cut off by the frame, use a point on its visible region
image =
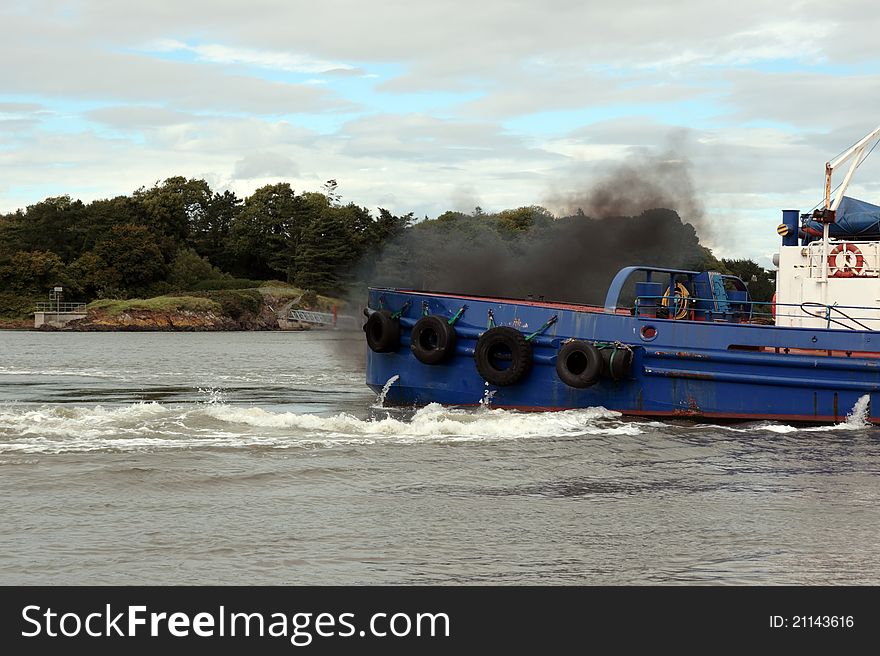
(667, 342)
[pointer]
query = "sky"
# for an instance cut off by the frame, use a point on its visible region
(425, 107)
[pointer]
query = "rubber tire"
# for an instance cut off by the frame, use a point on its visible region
(383, 332)
(421, 340)
(578, 364)
(616, 363)
(520, 352)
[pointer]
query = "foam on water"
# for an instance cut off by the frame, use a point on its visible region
(434, 420)
(214, 423)
(140, 426)
(858, 416)
(213, 395)
(54, 373)
(486, 401)
(380, 400)
(856, 419)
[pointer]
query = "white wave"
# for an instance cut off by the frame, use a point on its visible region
(80, 373)
(858, 416)
(213, 424)
(214, 395)
(856, 419)
(17, 414)
(433, 420)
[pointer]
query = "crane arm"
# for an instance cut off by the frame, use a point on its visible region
(855, 150)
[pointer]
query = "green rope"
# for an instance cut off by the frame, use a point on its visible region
(424, 308)
(490, 323)
(460, 312)
(616, 346)
(611, 363)
(396, 315)
(540, 330)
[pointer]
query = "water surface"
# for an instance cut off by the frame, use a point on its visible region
(261, 458)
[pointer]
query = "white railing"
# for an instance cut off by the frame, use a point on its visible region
(340, 321)
(847, 259)
(51, 306)
(308, 316)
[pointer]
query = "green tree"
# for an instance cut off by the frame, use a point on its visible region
(172, 209)
(386, 226)
(131, 251)
(326, 254)
(91, 277)
(103, 215)
(188, 268)
(210, 232)
(53, 224)
(522, 219)
(175, 205)
(34, 272)
(759, 281)
(265, 234)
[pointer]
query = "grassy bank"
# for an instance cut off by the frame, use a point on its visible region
(114, 307)
(253, 308)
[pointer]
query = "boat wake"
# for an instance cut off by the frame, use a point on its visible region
(857, 419)
(152, 426)
(216, 424)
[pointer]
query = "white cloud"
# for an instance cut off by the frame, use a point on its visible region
(276, 60)
(763, 93)
(264, 165)
(138, 117)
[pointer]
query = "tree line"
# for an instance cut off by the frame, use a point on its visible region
(179, 235)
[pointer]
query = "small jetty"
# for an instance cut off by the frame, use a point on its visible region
(55, 313)
(334, 320)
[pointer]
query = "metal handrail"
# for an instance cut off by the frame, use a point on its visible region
(826, 315)
(50, 306)
(756, 309)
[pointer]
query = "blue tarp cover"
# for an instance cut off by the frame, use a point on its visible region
(855, 218)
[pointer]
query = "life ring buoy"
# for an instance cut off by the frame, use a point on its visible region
(503, 356)
(678, 299)
(773, 305)
(853, 261)
(432, 340)
(383, 332)
(578, 364)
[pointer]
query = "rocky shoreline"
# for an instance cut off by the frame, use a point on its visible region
(180, 321)
(180, 314)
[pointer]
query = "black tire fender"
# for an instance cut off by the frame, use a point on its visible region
(616, 363)
(498, 345)
(432, 340)
(578, 364)
(383, 332)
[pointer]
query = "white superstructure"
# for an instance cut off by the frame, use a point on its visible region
(840, 290)
(829, 283)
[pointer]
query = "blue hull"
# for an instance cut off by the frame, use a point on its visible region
(681, 368)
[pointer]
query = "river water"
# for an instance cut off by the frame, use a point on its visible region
(262, 458)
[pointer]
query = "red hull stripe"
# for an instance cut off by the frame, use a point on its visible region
(677, 414)
(738, 415)
(518, 301)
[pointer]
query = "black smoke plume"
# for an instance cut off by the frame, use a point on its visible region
(642, 182)
(631, 216)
